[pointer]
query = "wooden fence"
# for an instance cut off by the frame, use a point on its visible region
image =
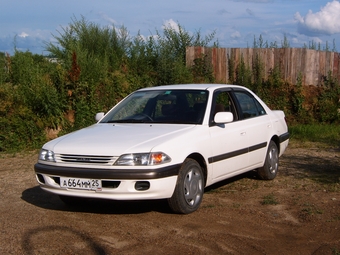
(313, 65)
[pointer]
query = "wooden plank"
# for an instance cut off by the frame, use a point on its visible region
(214, 57)
(308, 67)
(293, 66)
(315, 68)
(277, 58)
(231, 68)
(281, 62)
(227, 52)
(219, 59)
(327, 64)
(336, 70)
(226, 65)
(223, 65)
(189, 56)
(214, 62)
(299, 64)
(266, 68)
(263, 57)
(237, 60)
(270, 59)
(303, 65)
(322, 66)
(286, 61)
(249, 58)
(331, 62)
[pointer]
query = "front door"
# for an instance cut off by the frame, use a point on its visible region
(229, 141)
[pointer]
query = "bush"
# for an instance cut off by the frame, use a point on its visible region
(93, 68)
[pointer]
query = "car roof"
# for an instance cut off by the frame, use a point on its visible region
(193, 86)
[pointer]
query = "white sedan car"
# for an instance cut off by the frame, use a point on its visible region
(166, 142)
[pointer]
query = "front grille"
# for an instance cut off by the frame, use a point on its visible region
(86, 159)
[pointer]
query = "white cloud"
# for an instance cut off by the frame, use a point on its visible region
(326, 21)
(28, 39)
(235, 35)
(171, 24)
(23, 34)
(107, 18)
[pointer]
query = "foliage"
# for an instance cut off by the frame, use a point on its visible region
(29, 101)
(91, 68)
(202, 70)
(329, 100)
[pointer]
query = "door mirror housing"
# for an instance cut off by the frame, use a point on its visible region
(99, 116)
(223, 117)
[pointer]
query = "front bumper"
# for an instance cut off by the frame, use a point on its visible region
(162, 181)
(100, 173)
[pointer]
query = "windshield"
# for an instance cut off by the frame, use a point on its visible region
(160, 106)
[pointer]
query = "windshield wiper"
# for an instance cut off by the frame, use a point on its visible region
(128, 121)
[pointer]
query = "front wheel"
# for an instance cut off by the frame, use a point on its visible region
(271, 164)
(189, 190)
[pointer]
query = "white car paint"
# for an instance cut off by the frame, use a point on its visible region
(224, 149)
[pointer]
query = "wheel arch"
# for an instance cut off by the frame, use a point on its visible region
(276, 140)
(200, 160)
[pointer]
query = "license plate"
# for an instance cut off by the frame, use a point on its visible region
(79, 183)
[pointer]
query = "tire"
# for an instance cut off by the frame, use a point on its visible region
(271, 164)
(189, 189)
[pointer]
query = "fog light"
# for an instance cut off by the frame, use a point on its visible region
(142, 185)
(40, 178)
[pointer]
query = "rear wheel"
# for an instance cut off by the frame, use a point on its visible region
(271, 164)
(189, 189)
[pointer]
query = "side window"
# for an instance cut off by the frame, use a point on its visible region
(223, 103)
(250, 107)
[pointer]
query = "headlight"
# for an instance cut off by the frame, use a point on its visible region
(46, 155)
(143, 159)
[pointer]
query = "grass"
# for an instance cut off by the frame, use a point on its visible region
(311, 209)
(269, 200)
(335, 251)
(327, 134)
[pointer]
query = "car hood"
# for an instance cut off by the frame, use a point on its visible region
(116, 139)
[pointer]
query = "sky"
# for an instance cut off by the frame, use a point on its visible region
(27, 25)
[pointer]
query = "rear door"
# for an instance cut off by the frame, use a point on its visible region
(257, 126)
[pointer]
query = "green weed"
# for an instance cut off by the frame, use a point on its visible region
(269, 200)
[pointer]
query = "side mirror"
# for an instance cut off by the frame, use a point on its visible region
(223, 117)
(99, 116)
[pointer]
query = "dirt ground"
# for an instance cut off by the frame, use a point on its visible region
(297, 213)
